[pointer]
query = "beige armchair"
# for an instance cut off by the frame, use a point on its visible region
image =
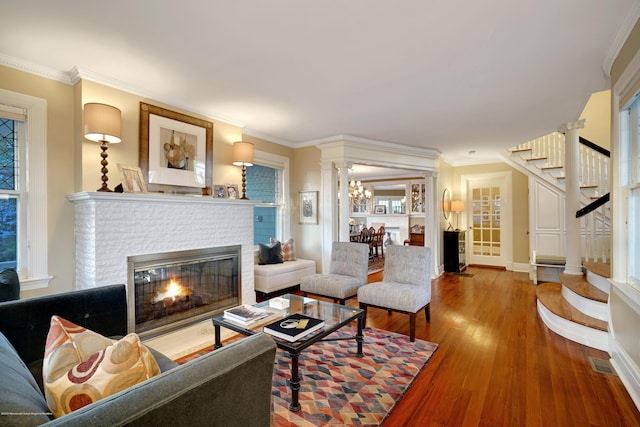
(405, 287)
(348, 271)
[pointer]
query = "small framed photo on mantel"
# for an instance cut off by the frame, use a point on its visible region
(232, 191)
(132, 179)
(219, 191)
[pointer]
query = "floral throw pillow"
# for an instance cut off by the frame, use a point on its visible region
(287, 249)
(81, 366)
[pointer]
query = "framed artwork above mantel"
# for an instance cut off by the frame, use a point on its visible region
(176, 150)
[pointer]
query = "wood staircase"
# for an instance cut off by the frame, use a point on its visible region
(577, 308)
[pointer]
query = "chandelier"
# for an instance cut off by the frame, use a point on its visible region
(357, 191)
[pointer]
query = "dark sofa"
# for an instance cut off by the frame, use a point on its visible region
(228, 387)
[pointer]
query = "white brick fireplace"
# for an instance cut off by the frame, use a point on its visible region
(109, 227)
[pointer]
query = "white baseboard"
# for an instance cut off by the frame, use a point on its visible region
(521, 267)
(626, 369)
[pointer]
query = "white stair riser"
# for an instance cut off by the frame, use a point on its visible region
(573, 331)
(599, 282)
(595, 309)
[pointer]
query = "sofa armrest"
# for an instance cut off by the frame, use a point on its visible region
(230, 386)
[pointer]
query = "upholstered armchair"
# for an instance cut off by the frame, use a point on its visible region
(405, 287)
(348, 270)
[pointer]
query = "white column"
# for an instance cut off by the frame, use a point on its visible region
(343, 222)
(432, 228)
(328, 219)
(572, 190)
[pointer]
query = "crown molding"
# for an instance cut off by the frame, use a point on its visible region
(85, 74)
(384, 145)
(38, 70)
(76, 74)
(269, 138)
(621, 37)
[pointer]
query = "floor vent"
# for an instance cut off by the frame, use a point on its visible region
(602, 366)
(463, 274)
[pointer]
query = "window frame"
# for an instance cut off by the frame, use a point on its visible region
(630, 139)
(32, 222)
(281, 163)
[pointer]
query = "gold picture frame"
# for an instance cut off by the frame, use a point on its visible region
(132, 179)
(176, 150)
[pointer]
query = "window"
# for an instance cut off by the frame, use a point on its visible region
(262, 185)
(630, 137)
(267, 183)
(23, 187)
(10, 195)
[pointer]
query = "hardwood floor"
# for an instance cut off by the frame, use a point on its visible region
(498, 364)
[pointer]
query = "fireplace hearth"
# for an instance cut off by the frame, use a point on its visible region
(171, 290)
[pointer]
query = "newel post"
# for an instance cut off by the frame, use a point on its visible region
(572, 199)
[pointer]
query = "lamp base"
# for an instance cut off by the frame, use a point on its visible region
(244, 183)
(104, 169)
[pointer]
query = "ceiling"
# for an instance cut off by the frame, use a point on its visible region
(449, 75)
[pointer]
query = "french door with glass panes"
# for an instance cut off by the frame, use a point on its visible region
(487, 240)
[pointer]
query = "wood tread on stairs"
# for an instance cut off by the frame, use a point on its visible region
(550, 295)
(580, 286)
(600, 268)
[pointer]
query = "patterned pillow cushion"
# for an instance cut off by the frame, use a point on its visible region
(288, 250)
(270, 254)
(81, 366)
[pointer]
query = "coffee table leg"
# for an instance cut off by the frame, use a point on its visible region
(360, 336)
(294, 384)
(216, 329)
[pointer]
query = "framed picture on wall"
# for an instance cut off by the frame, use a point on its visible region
(308, 207)
(380, 209)
(176, 150)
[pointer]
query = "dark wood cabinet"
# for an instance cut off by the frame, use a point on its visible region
(416, 239)
(454, 248)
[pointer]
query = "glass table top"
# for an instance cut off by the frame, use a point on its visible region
(332, 314)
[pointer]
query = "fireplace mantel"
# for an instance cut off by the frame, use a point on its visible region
(109, 227)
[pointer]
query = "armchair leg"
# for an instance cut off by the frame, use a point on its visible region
(412, 327)
(427, 312)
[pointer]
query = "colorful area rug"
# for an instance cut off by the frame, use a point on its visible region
(376, 265)
(339, 388)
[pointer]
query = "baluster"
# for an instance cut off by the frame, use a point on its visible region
(547, 149)
(561, 145)
(594, 237)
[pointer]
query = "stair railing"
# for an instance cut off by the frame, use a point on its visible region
(597, 229)
(594, 160)
(594, 172)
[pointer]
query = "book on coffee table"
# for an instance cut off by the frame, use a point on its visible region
(293, 327)
(245, 314)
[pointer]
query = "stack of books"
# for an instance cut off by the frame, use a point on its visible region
(293, 327)
(245, 314)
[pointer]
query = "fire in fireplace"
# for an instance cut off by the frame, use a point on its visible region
(168, 291)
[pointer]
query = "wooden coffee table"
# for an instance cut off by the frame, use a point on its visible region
(335, 317)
